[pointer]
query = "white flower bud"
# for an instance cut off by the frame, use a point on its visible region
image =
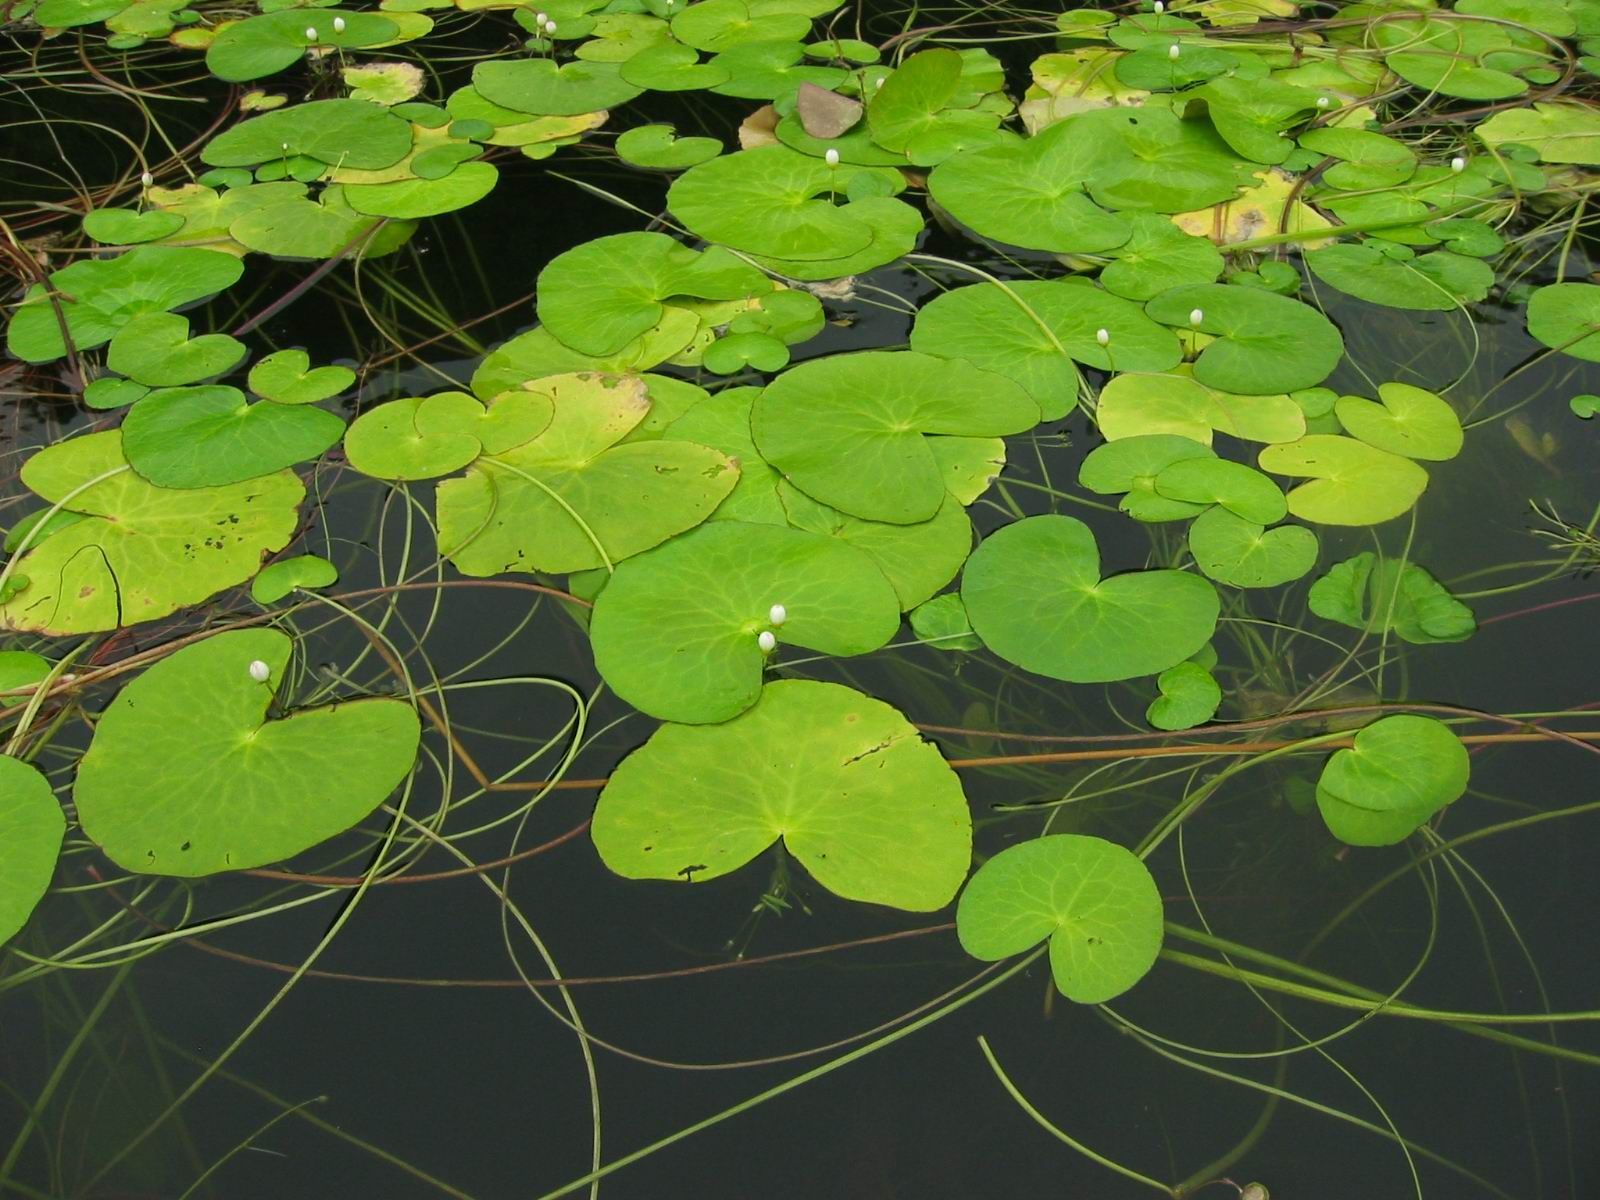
(831, 157)
(1458, 164)
(1159, 7)
(1173, 52)
(1323, 102)
(878, 82)
(311, 33)
(1196, 316)
(285, 146)
(540, 18)
(147, 179)
(260, 672)
(777, 614)
(766, 641)
(550, 28)
(338, 24)
(1103, 336)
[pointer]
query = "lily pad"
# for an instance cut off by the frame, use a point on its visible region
(540, 87)
(287, 377)
(657, 148)
(209, 436)
(1189, 697)
(1129, 466)
(412, 199)
(140, 552)
(1148, 158)
(1135, 405)
(287, 575)
(155, 349)
(911, 97)
(722, 421)
(186, 776)
(1564, 316)
(1375, 595)
(849, 429)
(1265, 343)
(573, 498)
(1095, 901)
(1401, 770)
(1036, 597)
(856, 795)
(675, 631)
(1395, 277)
(430, 436)
(1158, 256)
(723, 24)
(128, 227)
(1411, 421)
(1241, 490)
(264, 45)
(1352, 483)
(31, 829)
(942, 624)
(1560, 132)
(1243, 553)
(350, 133)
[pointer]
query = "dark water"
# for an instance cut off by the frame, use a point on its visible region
(446, 1060)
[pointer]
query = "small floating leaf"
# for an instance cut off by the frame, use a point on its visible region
(209, 436)
(287, 377)
(286, 575)
(1189, 697)
(1401, 770)
(1374, 596)
(31, 829)
(1410, 421)
(1242, 553)
(1352, 483)
(155, 349)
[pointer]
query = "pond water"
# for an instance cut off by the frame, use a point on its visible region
(378, 1011)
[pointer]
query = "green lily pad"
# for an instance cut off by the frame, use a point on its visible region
(1584, 406)
(911, 97)
(140, 552)
(1241, 490)
(411, 199)
(22, 669)
(894, 226)
(1395, 277)
(723, 24)
(738, 351)
(849, 429)
(109, 392)
(1135, 405)
(657, 148)
(1410, 421)
(1368, 159)
(1252, 115)
(1564, 316)
(1030, 331)
(942, 623)
(573, 498)
(675, 631)
(856, 795)
(350, 133)
(1560, 132)
(209, 436)
(1375, 596)
(672, 67)
(1351, 483)
(540, 87)
(1245, 554)
(31, 829)
(430, 436)
(1401, 770)
(287, 377)
(155, 349)
(1158, 256)
(722, 421)
(287, 575)
(1129, 466)
(1148, 158)
(186, 776)
(266, 44)
(602, 294)
(1443, 56)
(536, 354)
(769, 70)
(1095, 901)
(97, 297)
(1189, 697)
(1035, 595)
(128, 227)
(1265, 343)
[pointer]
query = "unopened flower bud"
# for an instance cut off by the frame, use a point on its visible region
(1196, 316)
(311, 33)
(777, 614)
(1103, 336)
(260, 672)
(1173, 52)
(831, 157)
(1458, 164)
(766, 641)
(338, 24)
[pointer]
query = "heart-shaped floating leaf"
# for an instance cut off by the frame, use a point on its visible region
(943, 624)
(1561, 133)
(1138, 405)
(110, 392)
(1396, 277)
(1242, 553)
(1131, 465)
(208, 436)
(540, 87)
(910, 99)
(1371, 595)
(1410, 421)
(97, 297)
(849, 429)
(1094, 900)
(265, 44)
(723, 24)
(722, 421)
(1352, 483)
(429, 436)
(31, 829)
(573, 498)
(350, 133)
(139, 552)
(287, 377)
(128, 227)
(411, 199)
(655, 147)
(155, 349)
(186, 776)
(1239, 489)
(22, 669)
(1189, 697)
(675, 631)
(1034, 593)
(1566, 317)
(1149, 158)
(1032, 330)
(286, 575)
(1401, 770)
(1158, 256)
(599, 296)
(860, 800)
(1265, 343)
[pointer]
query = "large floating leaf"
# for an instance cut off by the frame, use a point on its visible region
(1129, 467)
(1376, 595)
(1560, 132)
(411, 199)
(909, 102)
(1410, 420)
(1392, 275)
(537, 355)
(600, 295)
(429, 436)
(1443, 56)
(723, 24)
(141, 552)
(1147, 158)
(540, 87)
(675, 631)
(1401, 770)
(860, 800)
(186, 776)
(1135, 405)
(1034, 593)
(1242, 490)
(1564, 316)
(1159, 256)
(31, 829)
(1095, 901)
(1243, 553)
(1352, 483)
(572, 498)
(1032, 330)
(351, 133)
(265, 44)
(97, 297)
(1252, 115)
(1266, 343)
(849, 429)
(155, 349)
(722, 421)
(199, 437)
